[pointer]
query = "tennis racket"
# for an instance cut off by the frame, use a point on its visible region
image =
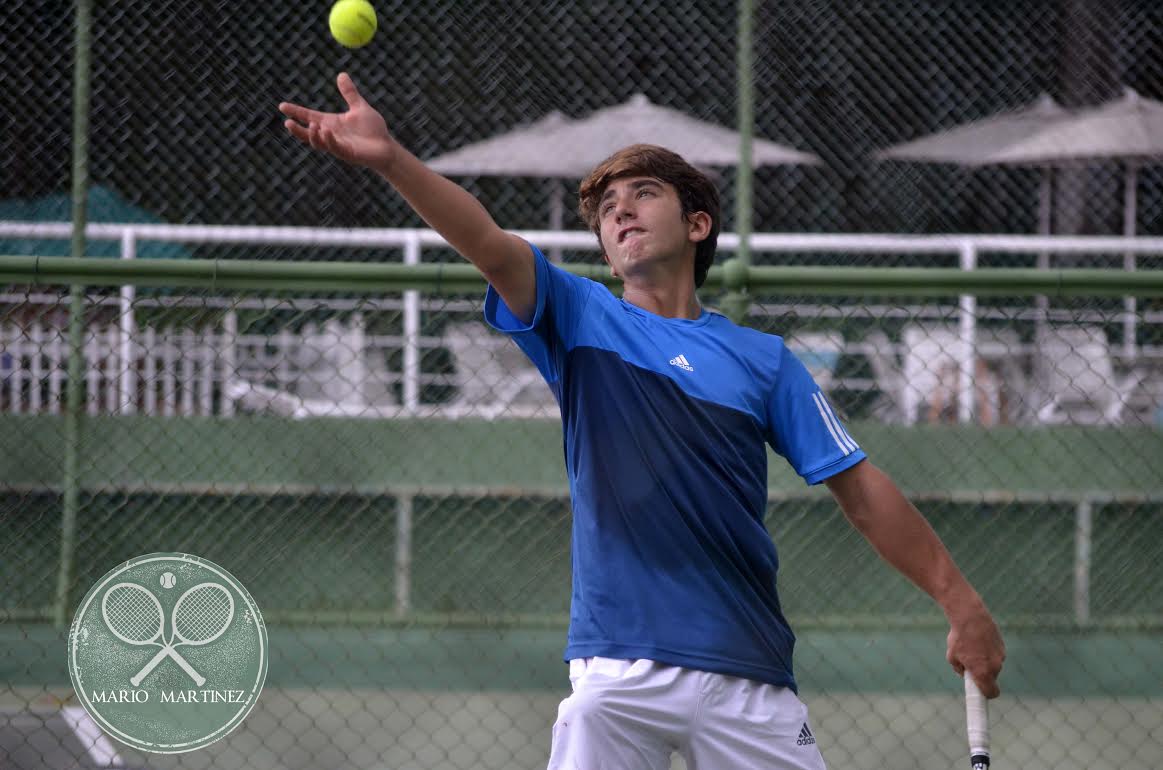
(201, 615)
(977, 724)
(135, 616)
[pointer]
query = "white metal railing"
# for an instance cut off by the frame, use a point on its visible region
(122, 348)
(182, 370)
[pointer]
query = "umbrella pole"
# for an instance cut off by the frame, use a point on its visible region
(556, 215)
(1129, 214)
(1045, 211)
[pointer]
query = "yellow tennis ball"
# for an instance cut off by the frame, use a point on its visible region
(352, 22)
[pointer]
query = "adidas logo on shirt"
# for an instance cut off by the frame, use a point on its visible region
(681, 362)
(806, 738)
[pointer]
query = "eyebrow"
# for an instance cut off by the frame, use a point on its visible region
(635, 185)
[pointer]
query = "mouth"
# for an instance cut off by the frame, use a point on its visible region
(622, 236)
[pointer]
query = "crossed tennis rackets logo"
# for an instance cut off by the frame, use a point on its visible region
(134, 615)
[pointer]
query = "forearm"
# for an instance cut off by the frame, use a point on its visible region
(450, 210)
(903, 538)
(361, 136)
(900, 534)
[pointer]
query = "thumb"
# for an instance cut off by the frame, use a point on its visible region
(348, 90)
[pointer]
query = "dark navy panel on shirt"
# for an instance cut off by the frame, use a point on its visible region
(666, 423)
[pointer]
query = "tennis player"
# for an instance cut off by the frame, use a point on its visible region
(677, 641)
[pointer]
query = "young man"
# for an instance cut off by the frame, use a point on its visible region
(677, 641)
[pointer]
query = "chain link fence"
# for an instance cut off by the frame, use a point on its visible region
(411, 557)
(384, 473)
(185, 127)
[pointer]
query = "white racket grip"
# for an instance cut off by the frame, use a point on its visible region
(977, 724)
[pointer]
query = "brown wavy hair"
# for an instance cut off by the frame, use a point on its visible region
(696, 192)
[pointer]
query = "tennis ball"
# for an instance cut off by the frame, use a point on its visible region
(352, 22)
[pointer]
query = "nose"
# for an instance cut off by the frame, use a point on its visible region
(623, 209)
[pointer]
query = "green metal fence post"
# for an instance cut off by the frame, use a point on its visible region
(735, 303)
(76, 314)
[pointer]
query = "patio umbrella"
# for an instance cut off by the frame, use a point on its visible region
(518, 152)
(583, 143)
(976, 144)
(515, 153)
(979, 143)
(558, 148)
(555, 146)
(1129, 129)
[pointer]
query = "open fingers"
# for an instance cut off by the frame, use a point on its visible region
(316, 137)
(322, 138)
(309, 129)
(348, 90)
(311, 134)
(298, 130)
(301, 113)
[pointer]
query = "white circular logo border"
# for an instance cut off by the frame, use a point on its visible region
(206, 740)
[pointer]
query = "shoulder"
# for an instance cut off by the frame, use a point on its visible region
(757, 356)
(745, 340)
(561, 274)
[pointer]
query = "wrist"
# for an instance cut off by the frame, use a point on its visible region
(388, 159)
(387, 163)
(961, 602)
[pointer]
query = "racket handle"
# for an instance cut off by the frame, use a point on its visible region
(181, 661)
(162, 654)
(135, 680)
(977, 724)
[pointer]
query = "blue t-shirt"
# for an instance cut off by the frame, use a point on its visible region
(665, 425)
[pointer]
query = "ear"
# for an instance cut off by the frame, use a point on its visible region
(698, 226)
(613, 270)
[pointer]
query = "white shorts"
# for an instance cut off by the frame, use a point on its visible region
(632, 715)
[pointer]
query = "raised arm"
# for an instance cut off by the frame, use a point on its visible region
(360, 136)
(902, 536)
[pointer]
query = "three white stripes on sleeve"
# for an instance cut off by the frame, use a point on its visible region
(843, 440)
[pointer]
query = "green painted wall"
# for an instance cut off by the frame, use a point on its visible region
(349, 455)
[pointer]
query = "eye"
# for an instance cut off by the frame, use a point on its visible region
(606, 209)
(645, 191)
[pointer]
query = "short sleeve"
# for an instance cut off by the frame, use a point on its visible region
(802, 426)
(561, 298)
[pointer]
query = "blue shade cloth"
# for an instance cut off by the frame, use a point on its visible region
(104, 205)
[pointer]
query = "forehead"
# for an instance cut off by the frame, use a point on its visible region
(631, 183)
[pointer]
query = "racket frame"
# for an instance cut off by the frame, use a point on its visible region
(169, 648)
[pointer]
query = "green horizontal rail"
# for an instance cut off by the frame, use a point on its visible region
(361, 277)
(389, 618)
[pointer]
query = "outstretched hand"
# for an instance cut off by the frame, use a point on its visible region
(360, 135)
(975, 644)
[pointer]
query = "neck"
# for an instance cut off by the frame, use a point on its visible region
(664, 287)
(664, 301)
